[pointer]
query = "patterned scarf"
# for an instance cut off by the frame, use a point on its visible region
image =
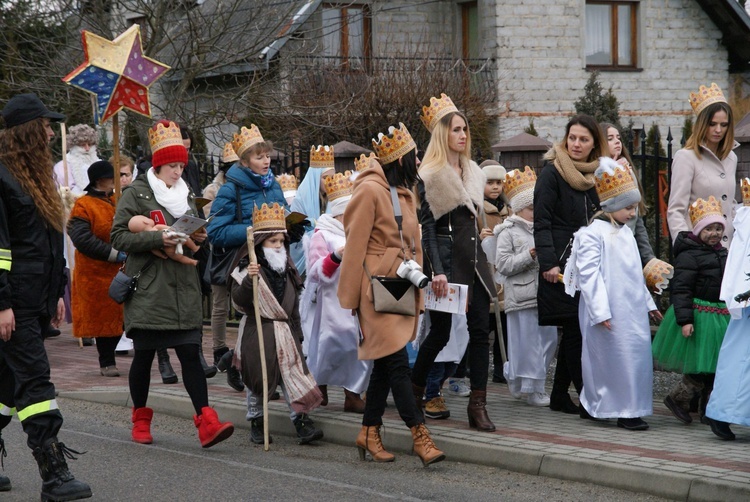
(301, 388)
(579, 175)
(265, 180)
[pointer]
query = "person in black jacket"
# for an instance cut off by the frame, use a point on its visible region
(565, 200)
(31, 289)
(689, 338)
(451, 188)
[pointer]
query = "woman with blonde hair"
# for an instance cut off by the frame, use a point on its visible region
(451, 190)
(707, 165)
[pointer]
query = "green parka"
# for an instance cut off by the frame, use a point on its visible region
(169, 293)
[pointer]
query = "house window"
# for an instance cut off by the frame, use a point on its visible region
(611, 35)
(346, 34)
(469, 30)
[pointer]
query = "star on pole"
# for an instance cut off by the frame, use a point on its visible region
(117, 73)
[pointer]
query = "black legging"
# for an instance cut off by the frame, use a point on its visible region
(477, 319)
(105, 346)
(391, 373)
(568, 361)
(193, 376)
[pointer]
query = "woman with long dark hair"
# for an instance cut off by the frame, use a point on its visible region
(374, 247)
(564, 201)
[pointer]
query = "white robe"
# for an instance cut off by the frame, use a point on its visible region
(531, 349)
(617, 365)
(331, 333)
(730, 398)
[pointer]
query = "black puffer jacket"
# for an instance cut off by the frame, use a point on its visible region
(559, 211)
(698, 269)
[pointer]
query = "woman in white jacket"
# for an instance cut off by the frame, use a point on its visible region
(530, 347)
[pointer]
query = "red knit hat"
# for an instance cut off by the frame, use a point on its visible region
(166, 144)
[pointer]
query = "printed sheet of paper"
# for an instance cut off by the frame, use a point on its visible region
(453, 303)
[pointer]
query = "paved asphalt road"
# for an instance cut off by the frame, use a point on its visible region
(175, 468)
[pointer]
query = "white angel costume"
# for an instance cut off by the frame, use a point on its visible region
(616, 364)
(331, 333)
(730, 399)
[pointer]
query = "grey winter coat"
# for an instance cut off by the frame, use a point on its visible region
(518, 270)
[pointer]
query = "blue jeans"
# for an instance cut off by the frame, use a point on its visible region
(439, 373)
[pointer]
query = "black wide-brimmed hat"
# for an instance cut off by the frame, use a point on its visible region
(99, 170)
(23, 108)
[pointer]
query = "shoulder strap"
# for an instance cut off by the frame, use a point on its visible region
(396, 208)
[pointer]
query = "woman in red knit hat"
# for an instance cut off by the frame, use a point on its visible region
(165, 310)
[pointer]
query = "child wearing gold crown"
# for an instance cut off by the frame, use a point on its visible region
(279, 286)
(530, 347)
(332, 333)
(689, 339)
(614, 307)
(730, 401)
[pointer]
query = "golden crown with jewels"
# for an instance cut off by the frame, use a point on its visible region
(517, 181)
(337, 186)
(437, 109)
(321, 156)
(162, 137)
(363, 162)
(701, 209)
(269, 219)
(657, 274)
(394, 145)
(706, 96)
(228, 154)
(745, 189)
(246, 139)
(287, 182)
(611, 185)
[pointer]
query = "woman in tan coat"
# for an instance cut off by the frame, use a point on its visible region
(374, 247)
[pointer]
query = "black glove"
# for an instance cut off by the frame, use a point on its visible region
(297, 231)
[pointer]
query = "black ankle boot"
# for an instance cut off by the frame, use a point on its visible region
(57, 481)
(562, 402)
(306, 430)
(217, 355)
(4, 480)
(165, 367)
(210, 371)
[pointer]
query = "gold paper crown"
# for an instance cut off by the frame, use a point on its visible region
(363, 162)
(246, 139)
(518, 181)
(612, 185)
(701, 209)
(394, 145)
(337, 186)
(437, 109)
(229, 155)
(321, 156)
(287, 181)
(706, 96)
(657, 274)
(163, 136)
(269, 219)
(745, 188)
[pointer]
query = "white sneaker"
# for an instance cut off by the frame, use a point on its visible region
(514, 393)
(538, 399)
(458, 387)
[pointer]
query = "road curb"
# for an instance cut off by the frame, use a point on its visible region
(397, 438)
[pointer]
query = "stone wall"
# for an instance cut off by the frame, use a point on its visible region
(540, 47)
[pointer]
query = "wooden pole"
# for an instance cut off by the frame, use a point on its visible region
(64, 138)
(259, 328)
(116, 155)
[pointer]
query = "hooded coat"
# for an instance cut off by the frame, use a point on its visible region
(372, 238)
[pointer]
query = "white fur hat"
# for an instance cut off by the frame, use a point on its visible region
(493, 170)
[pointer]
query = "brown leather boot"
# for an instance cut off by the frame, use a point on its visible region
(353, 403)
(477, 411)
(418, 395)
(369, 440)
(424, 447)
(324, 391)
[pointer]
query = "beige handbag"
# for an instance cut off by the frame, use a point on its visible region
(393, 295)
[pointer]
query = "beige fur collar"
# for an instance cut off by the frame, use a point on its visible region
(445, 191)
